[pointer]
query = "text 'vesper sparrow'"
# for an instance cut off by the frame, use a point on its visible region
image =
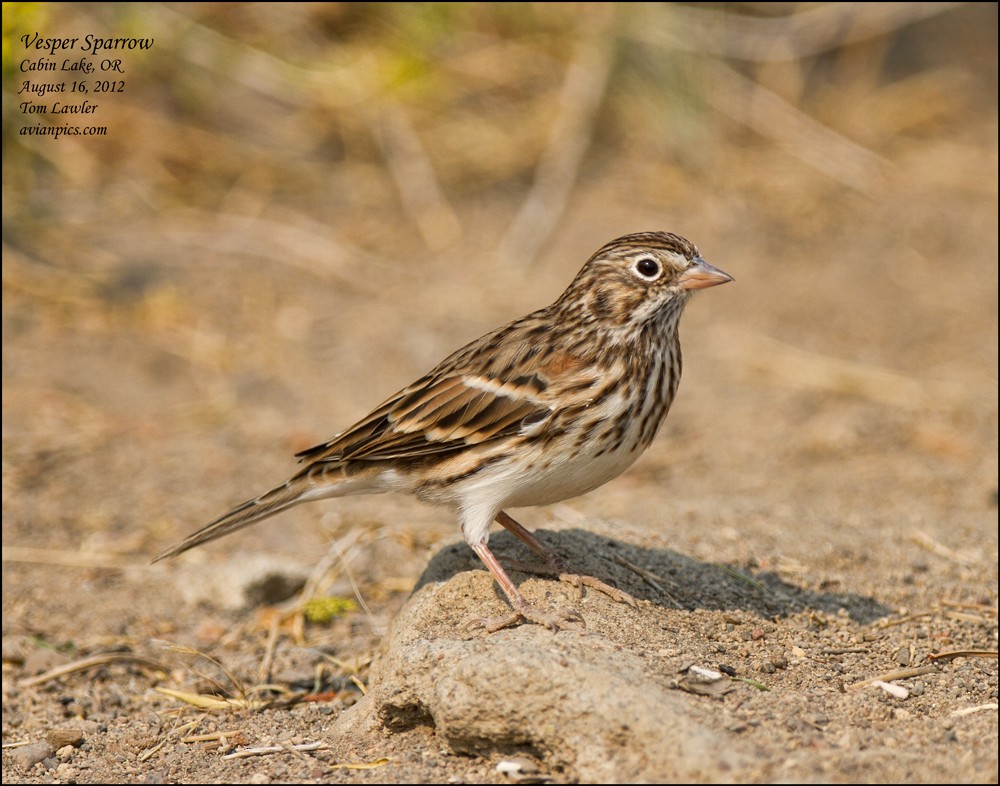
(548, 407)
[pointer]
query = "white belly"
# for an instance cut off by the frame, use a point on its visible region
(569, 479)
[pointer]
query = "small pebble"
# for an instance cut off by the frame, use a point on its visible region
(59, 738)
(27, 756)
(897, 691)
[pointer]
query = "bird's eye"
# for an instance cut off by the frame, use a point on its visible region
(648, 268)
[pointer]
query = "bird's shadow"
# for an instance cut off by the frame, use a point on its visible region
(662, 576)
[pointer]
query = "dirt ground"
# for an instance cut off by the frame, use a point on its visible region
(818, 514)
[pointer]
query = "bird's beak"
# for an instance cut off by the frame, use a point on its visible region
(701, 275)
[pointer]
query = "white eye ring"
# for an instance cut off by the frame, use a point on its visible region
(647, 268)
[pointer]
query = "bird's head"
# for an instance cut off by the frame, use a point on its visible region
(638, 278)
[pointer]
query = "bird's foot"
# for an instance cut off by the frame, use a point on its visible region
(526, 612)
(561, 572)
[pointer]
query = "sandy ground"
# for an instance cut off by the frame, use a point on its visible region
(819, 511)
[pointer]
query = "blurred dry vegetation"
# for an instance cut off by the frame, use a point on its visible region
(289, 184)
(365, 115)
(300, 207)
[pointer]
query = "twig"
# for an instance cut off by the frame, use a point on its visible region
(902, 674)
(92, 662)
(269, 750)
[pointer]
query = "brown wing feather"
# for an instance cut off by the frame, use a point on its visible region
(435, 416)
(471, 397)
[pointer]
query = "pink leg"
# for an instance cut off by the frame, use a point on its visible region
(522, 609)
(557, 566)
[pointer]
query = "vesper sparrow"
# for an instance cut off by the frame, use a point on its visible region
(548, 407)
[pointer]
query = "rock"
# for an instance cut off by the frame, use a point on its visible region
(577, 699)
(60, 738)
(27, 756)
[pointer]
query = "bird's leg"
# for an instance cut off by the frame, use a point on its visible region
(523, 611)
(557, 566)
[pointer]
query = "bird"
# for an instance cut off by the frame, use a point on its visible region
(545, 408)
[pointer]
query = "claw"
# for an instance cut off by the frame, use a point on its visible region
(554, 621)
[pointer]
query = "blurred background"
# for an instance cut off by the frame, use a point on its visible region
(299, 208)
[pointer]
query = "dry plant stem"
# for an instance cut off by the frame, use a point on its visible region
(580, 97)
(272, 749)
(652, 579)
(951, 654)
(558, 567)
(902, 674)
(802, 135)
(264, 672)
(413, 173)
(90, 663)
(69, 559)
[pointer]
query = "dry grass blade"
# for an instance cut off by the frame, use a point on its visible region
(237, 684)
(743, 577)
(338, 554)
(652, 579)
(174, 733)
(207, 702)
(211, 736)
(70, 559)
(951, 654)
(93, 662)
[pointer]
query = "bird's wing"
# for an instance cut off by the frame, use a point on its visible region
(439, 414)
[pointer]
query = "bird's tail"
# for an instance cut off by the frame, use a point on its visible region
(288, 494)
